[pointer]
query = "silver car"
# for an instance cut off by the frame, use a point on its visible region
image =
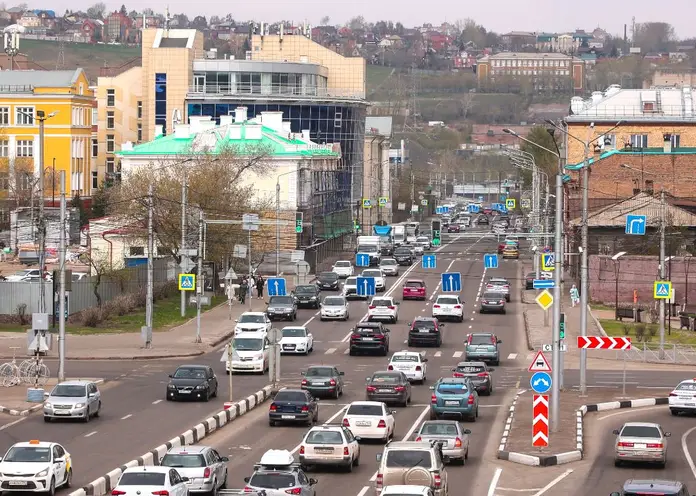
(455, 439)
(389, 267)
(73, 399)
(205, 469)
(641, 442)
(334, 307)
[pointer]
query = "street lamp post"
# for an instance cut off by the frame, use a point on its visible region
(53, 188)
(615, 260)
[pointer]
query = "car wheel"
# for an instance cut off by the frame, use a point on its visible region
(87, 417)
(206, 398)
(322, 319)
(385, 351)
(461, 319)
(351, 353)
(51, 488)
(68, 479)
(349, 467)
(271, 423)
(96, 414)
(617, 463)
(482, 311)
(337, 393)
(433, 415)
(215, 392)
(294, 316)
(674, 411)
(496, 363)
(410, 343)
(356, 460)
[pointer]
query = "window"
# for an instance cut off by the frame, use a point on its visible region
(649, 186)
(110, 120)
(4, 116)
(110, 165)
(639, 140)
(161, 100)
(25, 116)
(82, 89)
(95, 147)
(140, 110)
(25, 148)
(136, 251)
(140, 132)
(4, 148)
(674, 141)
(110, 143)
(110, 98)
(95, 117)
(95, 180)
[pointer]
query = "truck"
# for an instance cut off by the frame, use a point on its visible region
(399, 235)
(385, 239)
(372, 246)
(412, 230)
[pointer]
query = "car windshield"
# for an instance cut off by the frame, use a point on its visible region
(480, 339)
(471, 369)
(452, 388)
(294, 332)
(381, 302)
(424, 324)
(372, 273)
(69, 391)
(342, 264)
(367, 248)
(405, 358)
(438, 429)
(280, 300)
(422, 239)
(640, 431)
(408, 459)
(28, 454)
(142, 479)
(402, 251)
(293, 396)
(385, 379)
(272, 480)
(388, 261)
(319, 372)
(687, 386)
(305, 289)
(492, 296)
(252, 319)
(328, 276)
(498, 282)
(351, 281)
(324, 437)
(414, 284)
(189, 373)
(177, 460)
(447, 300)
(372, 410)
(334, 301)
(247, 344)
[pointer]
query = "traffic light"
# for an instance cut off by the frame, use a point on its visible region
(562, 326)
(299, 219)
(435, 227)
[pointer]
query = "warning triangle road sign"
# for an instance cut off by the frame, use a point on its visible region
(540, 363)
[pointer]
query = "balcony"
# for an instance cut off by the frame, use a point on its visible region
(278, 91)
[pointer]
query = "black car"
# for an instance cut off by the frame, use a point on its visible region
(425, 331)
(281, 308)
(388, 387)
(192, 382)
(369, 337)
(322, 381)
(482, 220)
(328, 280)
(307, 296)
(403, 255)
(478, 373)
(529, 280)
(293, 405)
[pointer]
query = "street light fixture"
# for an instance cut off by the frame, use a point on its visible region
(615, 260)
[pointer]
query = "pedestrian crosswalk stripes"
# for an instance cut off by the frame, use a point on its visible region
(443, 354)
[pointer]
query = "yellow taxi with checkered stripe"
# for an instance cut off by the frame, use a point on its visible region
(35, 466)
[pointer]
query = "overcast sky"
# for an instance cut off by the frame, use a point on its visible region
(498, 15)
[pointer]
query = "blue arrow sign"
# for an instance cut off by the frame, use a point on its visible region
(429, 262)
(503, 198)
(635, 224)
(490, 261)
(474, 209)
(442, 210)
(451, 282)
(366, 286)
(480, 198)
(540, 382)
(362, 260)
(276, 286)
(544, 283)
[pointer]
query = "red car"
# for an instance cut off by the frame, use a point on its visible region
(501, 248)
(453, 228)
(414, 289)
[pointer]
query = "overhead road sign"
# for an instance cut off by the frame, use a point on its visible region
(544, 283)
(540, 382)
(548, 261)
(662, 290)
(451, 282)
(429, 262)
(362, 259)
(545, 299)
(276, 286)
(187, 282)
(604, 343)
(490, 261)
(366, 286)
(440, 209)
(473, 208)
(635, 224)
(540, 422)
(540, 363)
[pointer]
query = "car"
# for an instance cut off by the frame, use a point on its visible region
(281, 308)
(369, 337)
(334, 307)
(414, 289)
(250, 353)
(482, 346)
(205, 469)
(454, 397)
(454, 438)
(389, 267)
(383, 308)
(418, 249)
(411, 363)
(425, 331)
(649, 487)
(293, 406)
(35, 466)
(424, 242)
(478, 373)
(252, 322)
(482, 220)
(323, 380)
(151, 479)
(192, 382)
(328, 281)
(501, 248)
(380, 280)
(343, 268)
(499, 285)
(296, 339)
(465, 221)
(641, 442)
(454, 228)
(412, 461)
(492, 302)
(277, 474)
(529, 280)
(330, 445)
(370, 420)
(350, 288)
(403, 255)
(390, 387)
(25, 275)
(307, 295)
(410, 490)
(73, 400)
(682, 399)
(511, 253)
(448, 307)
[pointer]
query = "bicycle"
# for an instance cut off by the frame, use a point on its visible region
(37, 373)
(9, 371)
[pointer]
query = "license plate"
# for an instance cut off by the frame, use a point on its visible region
(640, 446)
(385, 391)
(368, 339)
(318, 384)
(184, 392)
(287, 417)
(323, 450)
(363, 423)
(18, 483)
(451, 403)
(689, 404)
(423, 331)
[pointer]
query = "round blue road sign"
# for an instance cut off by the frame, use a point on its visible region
(540, 382)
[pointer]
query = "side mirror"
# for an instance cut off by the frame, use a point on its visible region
(247, 479)
(500, 341)
(367, 379)
(313, 482)
(341, 373)
(387, 330)
(170, 376)
(397, 303)
(46, 395)
(432, 388)
(445, 458)
(668, 434)
(379, 457)
(442, 324)
(90, 395)
(425, 360)
(615, 432)
(453, 370)
(59, 460)
(184, 479)
(303, 373)
(392, 412)
(491, 370)
(408, 324)
(467, 431)
(224, 459)
(358, 438)
(236, 320)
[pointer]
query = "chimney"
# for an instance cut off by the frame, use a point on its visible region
(207, 125)
(287, 127)
(667, 142)
(195, 123)
(235, 132)
(226, 120)
(182, 131)
(159, 131)
(305, 134)
(240, 114)
(272, 120)
(253, 132)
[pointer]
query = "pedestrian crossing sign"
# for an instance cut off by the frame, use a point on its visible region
(366, 203)
(662, 290)
(187, 282)
(383, 201)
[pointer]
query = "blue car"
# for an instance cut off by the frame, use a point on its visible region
(454, 397)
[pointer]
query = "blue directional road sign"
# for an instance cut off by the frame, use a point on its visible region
(429, 262)
(544, 283)
(362, 259)
(366, 286)
(635, 224)
(276, 286)
(451, 282)
(474, 209)
(490, 261)
(442, 210)
(540, 382)
(480, 198)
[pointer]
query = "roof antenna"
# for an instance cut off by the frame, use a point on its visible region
(168, 19)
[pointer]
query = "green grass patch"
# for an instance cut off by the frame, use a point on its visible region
(599, 306)
(376, 75)
(649, 334)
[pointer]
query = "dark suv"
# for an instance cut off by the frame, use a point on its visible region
(328, 281)
(652, 486)
(307, 296)
(369, 337)
(425, 331)
(403, 255)
(281, 308)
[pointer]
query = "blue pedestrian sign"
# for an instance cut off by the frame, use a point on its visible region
(490, 261)
(429, 262)
(544, 283)
(451, 282)
(366, 286)
(480, 198)
(540, 382)
(473, 208)
(362, 259)
(503, 198)
(548, 261)
(635, 224)
(442, 210)
(276, 286)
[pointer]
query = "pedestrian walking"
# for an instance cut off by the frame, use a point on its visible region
(574, 296)
(260, 282)
(243, 289)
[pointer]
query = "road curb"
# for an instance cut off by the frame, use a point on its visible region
(20, 413)
(596, 321)
(105, 484)
(508, 422)
(526, 330)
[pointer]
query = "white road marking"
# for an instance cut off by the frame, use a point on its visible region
(156, 401)
(630, 410)
(346, 351)
(91, 434)
(457, 354)
(554, 482)
(328, 421)
(310, 320)
(685, 449)
(515, 490)
(127, 416)
(438, 354)
(330, 351)
(7, 426)
(512, 356)
(364, 490)
(494, 481)
(471, 327)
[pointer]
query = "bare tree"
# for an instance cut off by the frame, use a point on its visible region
(325, 20)
(97, 10)
(100, 266)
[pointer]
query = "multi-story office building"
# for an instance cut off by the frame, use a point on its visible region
(377, 177)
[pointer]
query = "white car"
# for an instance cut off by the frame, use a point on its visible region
(332, 445)
(35, 467)
(252, 322)
(25, 276)
(350, 288)
(424, 241)
(151, 479)
(296, 339)
(389, 267)
(343, 268)
(383, 308)
(407, 491)
(334, 307)
(380, 280)
(250, 353)
(411, 363)
(370, 420)
(417, 249)
(448, 307)
(683, 398)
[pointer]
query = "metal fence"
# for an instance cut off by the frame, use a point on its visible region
(650, 353)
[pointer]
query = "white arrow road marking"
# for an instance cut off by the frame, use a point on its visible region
(494, 482)
(438, 354)
(558, 479)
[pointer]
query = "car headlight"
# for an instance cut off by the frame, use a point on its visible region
(202, 386)
(171, 386)
(79, 405)
(313, 298)
(43, 473)
(258, 357)
(48, 405)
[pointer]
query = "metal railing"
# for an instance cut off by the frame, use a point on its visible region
(650, 353)
(659, 112)
(290, 91)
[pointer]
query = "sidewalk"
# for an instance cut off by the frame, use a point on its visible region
(14, 399)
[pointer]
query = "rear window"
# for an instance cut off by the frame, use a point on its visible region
(367, 330)
(686, 386)
(142, 479)
(342, 264)
(649, 492)
(481, 339)
(492, 296)
(640, 431)
(402, 251)
(447, 300)
(388, 262)
(374, 410)
(328, 276)
(471, 369)
(372, 273)
(324, 437)
(405, 358)
(272, 480)
(435, 429)
(290, 396)
(333, 301)
(385, 379)
(294, 332)
(180, 460)
(414, 284)
(452, 388)
(381, 303)
(408, 459)
(424, 324)
(319, 372)
(305, 289)
(352, 281)
(280, 300)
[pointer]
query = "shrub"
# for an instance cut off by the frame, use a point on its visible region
(640, 332)
(653, 316)
(626, 329)
(121, 305)
(22, 314)
(92, 317)
(653, 330)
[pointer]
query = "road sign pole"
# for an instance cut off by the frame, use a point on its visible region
(623, 388)
(555, 332)
(199, 288)
(662, 273)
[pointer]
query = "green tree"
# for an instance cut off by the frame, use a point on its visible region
(100, 202)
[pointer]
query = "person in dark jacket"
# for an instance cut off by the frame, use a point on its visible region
(243, 289)
(260, 282)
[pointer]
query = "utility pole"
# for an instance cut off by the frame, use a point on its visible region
(61, 291)
(150, 266)
(662, 272)
(558, 267)
(278, 227)
(199, 278)
(41, 116)
(184, 228)
(249, 258)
